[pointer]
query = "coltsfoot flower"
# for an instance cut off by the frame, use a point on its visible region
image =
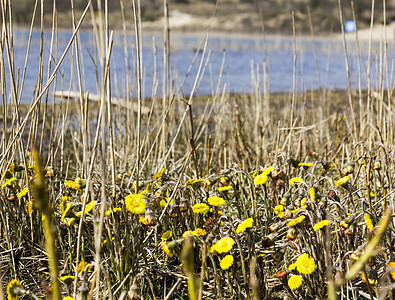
(321, 224)
(296, 221)
(392, 266)
(305, 264)
(295, 180)
(224, 245)
(166, 235)
(226, 262)
(200, 208)
(244, 225)
(216, 201)
(165, 248)
(260, 179)
(368, 221)
(342, 181)
(294, 282)
(14, 290)
(135, 203)
(306, 165)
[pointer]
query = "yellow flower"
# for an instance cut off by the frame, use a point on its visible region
(82, 266)
(14, 289)
(195, 183)
(30, 207)
(260, 179)
(295, 180)
(312, 194)
(294, 211)
(71, 221)
(307, 165)
(224, 188)
(372, 281)
(296, 221)
(321, 224)
(67, 279)
(268, 170)
(305, 264)
(68, 298)
(79, 184)
(279, 208)
(63, 203)
(22, 193)
(188, 232)
(368, 221)
(226, 262)
(67, 212)
(292, 267)
(135, 203)
(342, 181)
(294, 282)
(11, 169)
(166, 235)
(201, 208)
(159, 175)
(142, 219)
(8, 182)
(88, 208)
(165, 248)
(70, 184)
(164, 202)
(244, 225)
(223, 245)
(199, 232)
(216, 201)
(392, 266)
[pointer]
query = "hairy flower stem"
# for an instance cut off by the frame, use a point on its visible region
(42, 203)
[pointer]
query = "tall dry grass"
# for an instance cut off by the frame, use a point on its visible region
(119, 174)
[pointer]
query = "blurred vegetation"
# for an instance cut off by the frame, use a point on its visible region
(275, 14)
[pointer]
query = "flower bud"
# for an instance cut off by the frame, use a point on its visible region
(281, 274)
(347, 221)
(133, 293)
(351, 230)
(278, 175)
(278, 255)
(174, 211)
(332, 194)
(183, 205)
(268, 241)
(291, 233)
(274, 227)
(149, 218)
(285, 200)
(80, 184)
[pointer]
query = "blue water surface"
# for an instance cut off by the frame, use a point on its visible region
(230, 63)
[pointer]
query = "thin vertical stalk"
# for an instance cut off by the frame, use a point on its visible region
(293, 82)
(369, 57)
(347, 68)
(139, 83)
(83, 112)
(166, 70)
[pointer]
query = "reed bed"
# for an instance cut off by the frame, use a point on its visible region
(231, 196)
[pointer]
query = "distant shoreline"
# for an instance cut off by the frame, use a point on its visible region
(147, 28)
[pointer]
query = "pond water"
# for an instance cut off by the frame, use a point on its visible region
(248, 62)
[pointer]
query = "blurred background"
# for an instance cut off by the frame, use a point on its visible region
(232, 15)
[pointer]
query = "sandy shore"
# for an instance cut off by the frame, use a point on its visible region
(181, 22)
